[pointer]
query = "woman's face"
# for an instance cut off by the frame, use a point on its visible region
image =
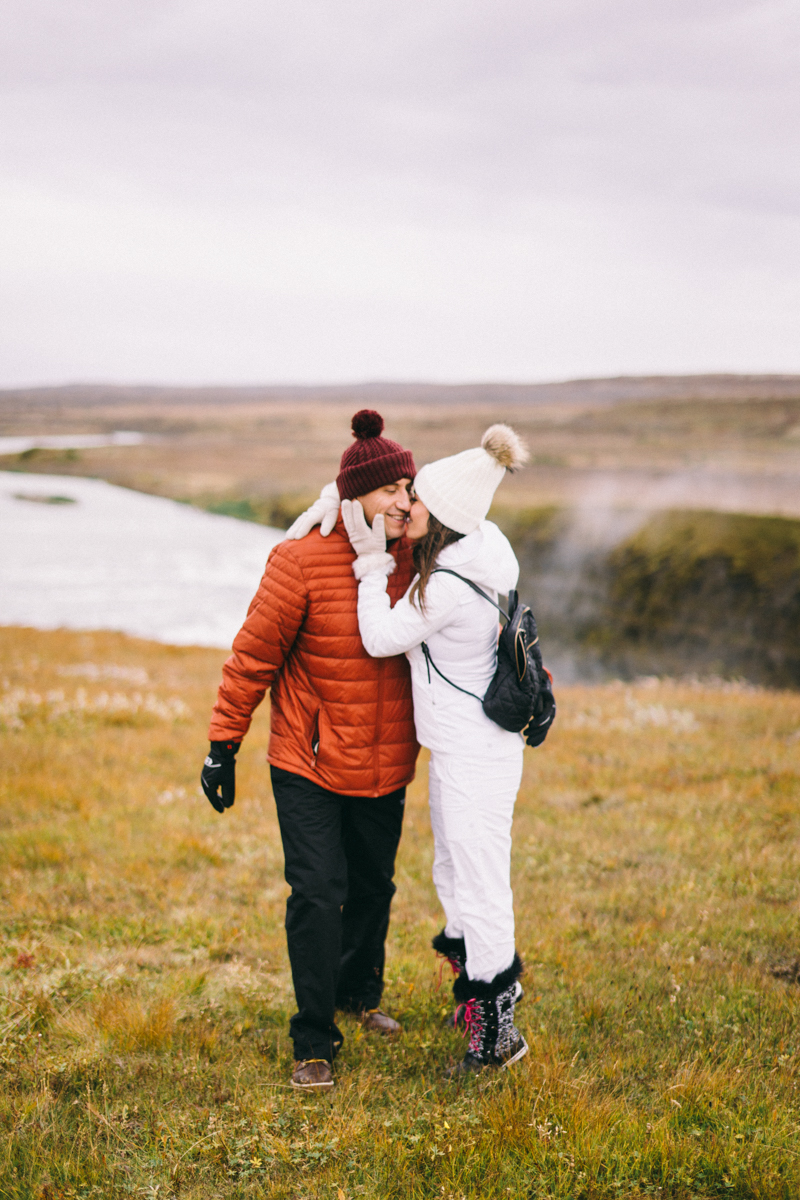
(417, 525)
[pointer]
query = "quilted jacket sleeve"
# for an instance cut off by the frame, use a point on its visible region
(262, 644)
(386, 631)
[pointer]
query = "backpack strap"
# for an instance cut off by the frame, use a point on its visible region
(430, 663)
(474, 586)
(424, 646)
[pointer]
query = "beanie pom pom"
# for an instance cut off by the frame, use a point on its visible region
(367, 424)
(505, 446)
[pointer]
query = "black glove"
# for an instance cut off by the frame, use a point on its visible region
(544, 713)
(219, 772)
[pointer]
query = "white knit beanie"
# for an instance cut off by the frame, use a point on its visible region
(459, 490)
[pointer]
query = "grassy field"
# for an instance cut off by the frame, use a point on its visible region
(145, 987)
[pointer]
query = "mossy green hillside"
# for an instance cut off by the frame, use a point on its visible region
(670, 593)
(711, 592)
(277, 511)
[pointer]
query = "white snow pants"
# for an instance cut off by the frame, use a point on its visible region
(472, 806)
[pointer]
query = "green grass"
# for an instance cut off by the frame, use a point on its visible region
(145, 992)
(277, 511)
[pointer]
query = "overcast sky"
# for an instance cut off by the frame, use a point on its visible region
(343, 190)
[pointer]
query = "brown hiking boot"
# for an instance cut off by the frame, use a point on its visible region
(312, 1073)
(375, 1021)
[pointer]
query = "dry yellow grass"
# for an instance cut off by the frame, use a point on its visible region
(145, 986)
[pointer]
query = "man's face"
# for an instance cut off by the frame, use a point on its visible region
(394, 501)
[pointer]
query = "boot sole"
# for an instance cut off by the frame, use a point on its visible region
(313, 1087)
(516, 1057)
(460, 1072)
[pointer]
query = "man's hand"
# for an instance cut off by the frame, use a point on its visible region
(219, 774)
(363, 539)
(323, 512)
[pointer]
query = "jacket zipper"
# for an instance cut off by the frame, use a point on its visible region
(376, 751)
(315, 737)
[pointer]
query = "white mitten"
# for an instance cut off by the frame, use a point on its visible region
(368, 543)
(323, 512)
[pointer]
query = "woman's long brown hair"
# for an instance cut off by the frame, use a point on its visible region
(426, 551)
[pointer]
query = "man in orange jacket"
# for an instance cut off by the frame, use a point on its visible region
(342, 750)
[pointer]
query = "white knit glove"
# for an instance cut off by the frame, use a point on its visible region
(369, 544)
(323, 512)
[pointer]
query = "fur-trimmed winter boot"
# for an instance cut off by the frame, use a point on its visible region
(488, 1013)
(452, 950)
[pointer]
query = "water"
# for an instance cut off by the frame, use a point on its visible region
(70, 441)
(84, 554)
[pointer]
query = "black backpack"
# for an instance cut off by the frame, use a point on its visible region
(520, 696)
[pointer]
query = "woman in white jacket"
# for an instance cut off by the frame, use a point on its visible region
(475, 766)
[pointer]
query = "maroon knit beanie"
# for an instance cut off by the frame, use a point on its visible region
(372, 461)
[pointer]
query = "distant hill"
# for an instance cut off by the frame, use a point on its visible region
(657, 524)
(626, 389)
(713, 442)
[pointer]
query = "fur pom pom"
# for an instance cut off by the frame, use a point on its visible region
(367, 424)
(503, 444)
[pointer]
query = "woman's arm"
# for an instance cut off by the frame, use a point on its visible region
(385, 630)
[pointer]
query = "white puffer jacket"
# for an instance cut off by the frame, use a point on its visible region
(460, 630)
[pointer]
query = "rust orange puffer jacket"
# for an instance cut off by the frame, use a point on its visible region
(339, 717)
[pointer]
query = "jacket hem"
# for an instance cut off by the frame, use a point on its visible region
(305, 772)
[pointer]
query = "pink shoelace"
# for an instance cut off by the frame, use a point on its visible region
(454, 966)
(473, 1021)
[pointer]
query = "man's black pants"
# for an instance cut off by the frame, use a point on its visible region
(339, 853)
